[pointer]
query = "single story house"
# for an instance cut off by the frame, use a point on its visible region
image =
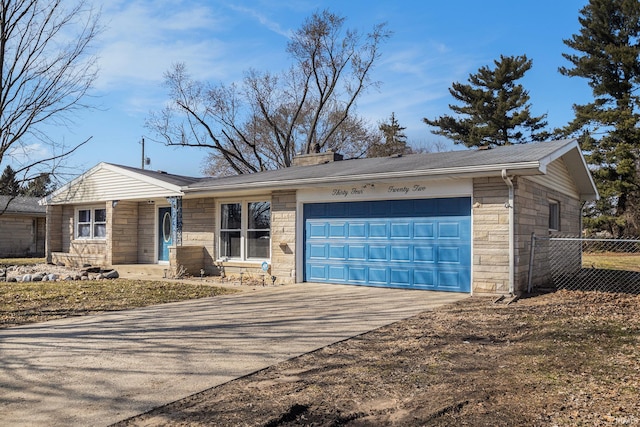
(458, 221)
(22, 227)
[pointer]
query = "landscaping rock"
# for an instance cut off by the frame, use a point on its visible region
(113, 274)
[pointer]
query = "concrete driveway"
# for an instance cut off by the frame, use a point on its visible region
(97, 370)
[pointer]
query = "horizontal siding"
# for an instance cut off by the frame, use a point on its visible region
(105, 184)
(558, 178)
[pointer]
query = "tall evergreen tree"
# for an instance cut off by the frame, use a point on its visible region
(394, 140)
(38, 186)
(494, 109)
(9, 184)
(608, 56)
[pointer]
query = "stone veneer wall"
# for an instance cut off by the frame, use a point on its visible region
(122, 231)
(25, 234)
(533, 217)
(54, 231)
(198, 235)
(491, 232)
(146, 233)
(490, 236)
(283, 236)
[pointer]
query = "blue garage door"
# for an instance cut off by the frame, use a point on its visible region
(416, 244)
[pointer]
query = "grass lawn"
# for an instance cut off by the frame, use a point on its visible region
(612, 260)
(22, 303)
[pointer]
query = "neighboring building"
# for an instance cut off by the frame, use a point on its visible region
(22, 227)
(458, 221)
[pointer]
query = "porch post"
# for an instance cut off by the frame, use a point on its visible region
(176, 219)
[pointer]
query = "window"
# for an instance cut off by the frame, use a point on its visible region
(91, 223)
(245, 230)
(554, 215)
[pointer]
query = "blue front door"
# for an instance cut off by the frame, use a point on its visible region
(164, 233)
(415, 244)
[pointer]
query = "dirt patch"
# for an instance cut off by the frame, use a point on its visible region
(565, 359)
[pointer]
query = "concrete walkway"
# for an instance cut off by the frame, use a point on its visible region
(97, 370)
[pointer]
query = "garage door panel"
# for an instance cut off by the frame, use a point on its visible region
(337, 230)
(378, 230)
(424, 230)
(401, 253)
(425, 278)
(317, 229)
(385, 243)
(378, 276)
(449, 230)
(357, 230)
(317, 251)
(357, 274)
(424, 254)
(357, 252)
(451, 280)
(317, 272)
(337, 252)
(400, 276)
(400, 230)
(378, 253)
(337, 273)
(449, 255)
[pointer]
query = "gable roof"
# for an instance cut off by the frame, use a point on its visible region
(522, 159)
(107, 181)
(22, 205)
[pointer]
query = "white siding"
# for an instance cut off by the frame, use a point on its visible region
(105, 184)
(557, 178)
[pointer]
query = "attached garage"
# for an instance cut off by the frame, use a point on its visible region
(415, 244)
(457, 221)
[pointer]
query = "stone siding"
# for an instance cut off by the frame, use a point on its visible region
(21, 235)
(146, 233)
(189, 259)
(283, 236)
(490, 236)
(198, 231)
(533, 217)
(122, 242)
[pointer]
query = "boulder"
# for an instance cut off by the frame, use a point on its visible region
(113, 274)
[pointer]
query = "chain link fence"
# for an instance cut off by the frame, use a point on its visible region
(609, 265)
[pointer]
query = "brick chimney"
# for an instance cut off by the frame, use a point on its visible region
(316, 158)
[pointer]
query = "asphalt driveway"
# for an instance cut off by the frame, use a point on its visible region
(97, 370)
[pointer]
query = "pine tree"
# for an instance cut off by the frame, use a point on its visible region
(608, 53)
(395, 140)
(494, 109)
(38, 186)
(9, 184)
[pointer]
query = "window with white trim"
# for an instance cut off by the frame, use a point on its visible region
(554, 215)
(91, 223)
(245, 230)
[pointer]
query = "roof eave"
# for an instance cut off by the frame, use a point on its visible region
(524, 168)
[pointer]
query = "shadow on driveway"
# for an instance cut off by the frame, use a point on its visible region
(97, 370)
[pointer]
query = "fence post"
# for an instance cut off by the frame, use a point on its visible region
(531, 259)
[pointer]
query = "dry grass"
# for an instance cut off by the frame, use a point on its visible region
(564, 359)
(22, 303)
(612, 260)
(21, 261)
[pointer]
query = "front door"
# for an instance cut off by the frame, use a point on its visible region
(164, 233)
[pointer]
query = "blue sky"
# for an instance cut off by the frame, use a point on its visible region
(434, 43)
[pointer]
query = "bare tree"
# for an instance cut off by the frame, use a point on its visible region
(46, 71)
(263, 122)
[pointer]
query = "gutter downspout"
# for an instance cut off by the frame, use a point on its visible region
(509, 205)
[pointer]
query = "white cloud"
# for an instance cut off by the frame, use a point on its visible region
(143, 38)
(263, 20)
